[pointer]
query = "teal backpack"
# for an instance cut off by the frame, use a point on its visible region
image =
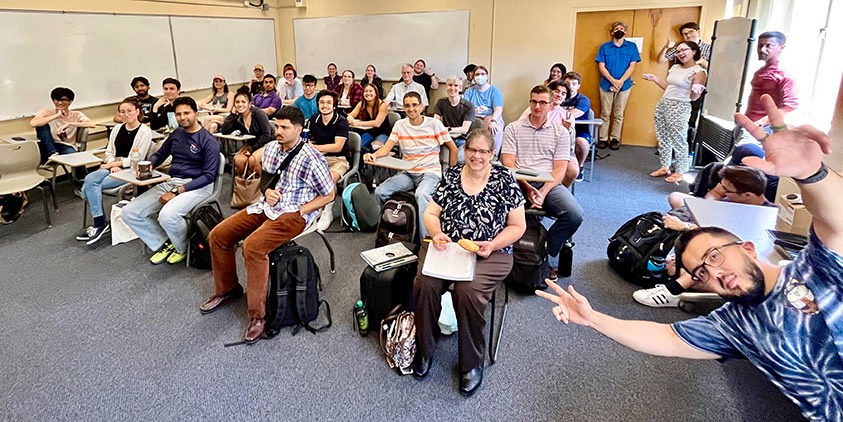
(361, 210)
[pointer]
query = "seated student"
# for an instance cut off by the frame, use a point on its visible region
(329, 135)
(561, 116)
(481, 202)
(220, 101)
(739, 184)
(579, 105)
(256, 84)
(268, 100)
(395, 98)
(248, 120)
(333, 80)
(56, 126)
(163, 112)
(456, 113)
(538, 144)
(469, 74)
(141, 87)
(488, 104)
(307, 102)
(425, 76)
(556, 72)
(196, 161)
(420, 139)
(124, 138)
(348, 92)
(708, 178)
(282, 213)
(371, 77)
(371, 114)
(292, 85)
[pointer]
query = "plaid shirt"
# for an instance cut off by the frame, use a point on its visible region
(304, 179)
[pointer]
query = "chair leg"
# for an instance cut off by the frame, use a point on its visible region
(84, 214)
(46, 206)
(494, 344)
(330, 250)
(591, 168)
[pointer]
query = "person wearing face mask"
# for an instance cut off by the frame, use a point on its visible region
(616, 61)
(488, 104)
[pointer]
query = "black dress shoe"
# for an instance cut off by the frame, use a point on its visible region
(470, 381)
(216, 302)
(602, 144)
(614, 144)
(421, 366)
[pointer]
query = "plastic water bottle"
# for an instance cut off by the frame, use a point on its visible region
(566, 260)
(362, 318)
(134, 158)
(656, 266)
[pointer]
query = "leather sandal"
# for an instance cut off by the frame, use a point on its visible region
(674, 178)
(660, 172)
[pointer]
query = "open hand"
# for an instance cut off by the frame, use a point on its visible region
(570, 305)
(698, 88)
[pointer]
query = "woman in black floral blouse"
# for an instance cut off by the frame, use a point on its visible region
(483, 203)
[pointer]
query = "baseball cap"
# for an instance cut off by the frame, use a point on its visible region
(258, 66)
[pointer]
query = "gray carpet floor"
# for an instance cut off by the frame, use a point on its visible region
(98, 333)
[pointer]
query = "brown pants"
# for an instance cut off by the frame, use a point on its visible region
(470, 299)
(262, 236)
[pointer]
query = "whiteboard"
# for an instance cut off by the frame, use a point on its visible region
(231, 46)
(387, 41)
(95, 55)
(728, 64)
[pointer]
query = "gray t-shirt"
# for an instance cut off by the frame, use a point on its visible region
(454, 116)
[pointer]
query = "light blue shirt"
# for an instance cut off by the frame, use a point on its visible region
(489, 99)
(617, 60)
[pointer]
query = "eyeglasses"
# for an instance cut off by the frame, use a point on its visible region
(726, 190)
(63, 100)
(689, 32)
(309, 85)
(472, 151)
(714, 258)
(541, 103)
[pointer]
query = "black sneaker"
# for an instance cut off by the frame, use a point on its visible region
(602, 144)
(96, 234)
(86, 235)
(614, 144)
(581, 176)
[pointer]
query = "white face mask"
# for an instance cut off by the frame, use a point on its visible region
(480, 79)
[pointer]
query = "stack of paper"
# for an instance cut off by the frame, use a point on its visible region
(454, 263)
(389, 256)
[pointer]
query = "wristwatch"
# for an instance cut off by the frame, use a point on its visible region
(175, 191)
(687, 227)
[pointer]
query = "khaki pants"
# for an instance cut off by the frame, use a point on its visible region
(612, 106)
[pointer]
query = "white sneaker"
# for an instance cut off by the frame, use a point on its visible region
(657, 297)
(326, 218)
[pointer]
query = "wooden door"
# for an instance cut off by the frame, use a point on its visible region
(654, 25)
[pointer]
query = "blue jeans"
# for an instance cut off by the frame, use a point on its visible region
(366, 139)
(562, 206)
(460, 143)
(95, 183)
(170, 223)
(48, 144)
(423, 183)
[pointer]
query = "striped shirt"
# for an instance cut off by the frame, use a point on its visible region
(536, 149)
(421, 144)
(304, 179)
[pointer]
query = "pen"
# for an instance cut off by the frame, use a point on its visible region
(430, 239)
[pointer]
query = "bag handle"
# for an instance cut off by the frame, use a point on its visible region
(393, 314)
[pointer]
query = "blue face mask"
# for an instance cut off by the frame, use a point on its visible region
(481, 79)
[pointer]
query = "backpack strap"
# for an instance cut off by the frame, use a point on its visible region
(349, 206)
(300, 274)
(281, 299)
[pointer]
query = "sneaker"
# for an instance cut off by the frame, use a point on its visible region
(86, 235)
(581, 176)
(162, 254)
(326, 218)
(176, 257)
(96, 234)
(657, 297)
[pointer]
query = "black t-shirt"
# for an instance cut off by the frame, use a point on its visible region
(159, 119)
(123, 141)
(256, 88)
(424, 80)
(146, 107)
(320, 134)
(454, 116)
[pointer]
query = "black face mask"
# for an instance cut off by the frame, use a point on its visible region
(618, 34)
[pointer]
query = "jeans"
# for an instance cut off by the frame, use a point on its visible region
(170, 223)
(366, 139)
(424, 184)
(95, 184)
(562, 206)
(460, 143)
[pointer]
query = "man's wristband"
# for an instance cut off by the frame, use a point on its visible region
(821, 174)
(175, 191)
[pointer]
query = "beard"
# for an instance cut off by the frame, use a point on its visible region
(755, 294)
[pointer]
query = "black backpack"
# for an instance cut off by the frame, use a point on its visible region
(529, 259)
(361, 210)
(12, 206)
(202, 222)
(399, 220)
(292, 297)
(638, 249)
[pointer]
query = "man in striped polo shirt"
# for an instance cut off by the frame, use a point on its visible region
(538, 144)
(420, 139)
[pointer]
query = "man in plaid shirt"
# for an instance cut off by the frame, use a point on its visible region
(281, 214)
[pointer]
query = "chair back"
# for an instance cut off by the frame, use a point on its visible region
(354, 145)
(18, 167)
(393, 117)
(215, 195)
(476, 124)
(444, 158)
(592, 128)
(81, 139)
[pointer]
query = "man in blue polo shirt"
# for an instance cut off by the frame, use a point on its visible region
(616, 61)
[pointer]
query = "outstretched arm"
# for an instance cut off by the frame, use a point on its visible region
(798, 153)
(642, 336)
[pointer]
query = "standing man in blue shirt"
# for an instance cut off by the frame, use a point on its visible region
(616, 61)
(196, 161)
(787, 321)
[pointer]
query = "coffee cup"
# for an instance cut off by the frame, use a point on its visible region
(144, 170)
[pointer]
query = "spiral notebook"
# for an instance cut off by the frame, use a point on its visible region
(453, 263)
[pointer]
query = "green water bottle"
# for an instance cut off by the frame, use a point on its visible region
(362, 319)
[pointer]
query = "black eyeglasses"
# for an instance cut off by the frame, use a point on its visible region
(541, 103)
(713, 258)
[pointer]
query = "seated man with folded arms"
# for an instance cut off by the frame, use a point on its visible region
(287, 206)
(738, 184)
(395, 98)
(538, 144)
(56, 126)
(196, 162)
(141, 87)
(307, 102)
(420, 139)
(164, 111)
(268, 100)
(787, 321)
(329, 135)
(579, 105)
(456, 113)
